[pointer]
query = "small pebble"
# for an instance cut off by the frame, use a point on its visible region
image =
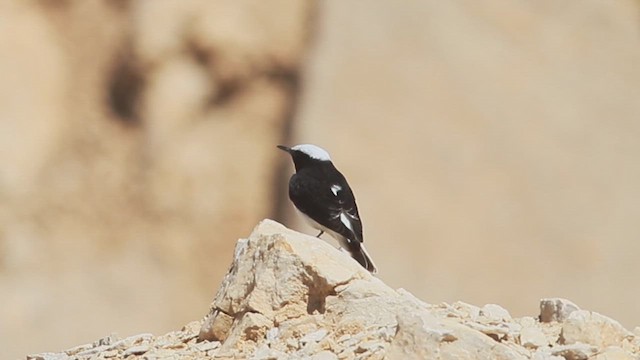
(136, 350)
(325, 355)
(371, 346)
(107, 340)
(94, 350)
(207, 345)
(314, 336)
(272, 334)
(49, 356)
(495, 312)
(293, 343)
(262, 353)
(79, 348)
(109, 353)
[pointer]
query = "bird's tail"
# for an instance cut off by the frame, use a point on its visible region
(359, 253)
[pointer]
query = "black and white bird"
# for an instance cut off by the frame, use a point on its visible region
(323, 196)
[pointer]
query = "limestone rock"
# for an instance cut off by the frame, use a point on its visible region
(423, 336)
(49, 356)
(592, 328)
(615, 353)
(495, 312)
(216, 327)
(577, 351)
(556, 309)
(136, 350)
(532, 335)
(296, 281)
(292, 296)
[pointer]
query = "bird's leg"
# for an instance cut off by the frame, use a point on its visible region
(321, 232)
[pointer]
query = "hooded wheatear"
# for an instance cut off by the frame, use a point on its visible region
(323, 196)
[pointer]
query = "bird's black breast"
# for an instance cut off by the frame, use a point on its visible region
(310, 190)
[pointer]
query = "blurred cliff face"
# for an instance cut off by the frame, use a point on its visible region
(137, 143)
(492, 148)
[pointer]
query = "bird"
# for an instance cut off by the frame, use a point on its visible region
(324, 198)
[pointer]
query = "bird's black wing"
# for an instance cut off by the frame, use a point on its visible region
(328, 201)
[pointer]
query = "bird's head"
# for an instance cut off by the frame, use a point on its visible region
(306, 154)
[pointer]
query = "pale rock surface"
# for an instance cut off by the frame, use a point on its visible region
(592, 328)
(291, 296)
(556, 309)
(531, 334)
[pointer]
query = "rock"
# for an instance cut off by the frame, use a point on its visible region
(109, 353)
(216, 327)
(136, 350)
(80, 348)
(422, 336)
(461, 310)
(283, 275)
(325, 355)
(497, 332)
(545, 354)
(261, 353)
(137, 339)
(292, 344)
(495, 313)
(531, 334)
(314, 336)
(255, 326)
(292, 296)
(208, 345)
(93, 351)
(272, 334)
(556, 309)
(614, 353)
(49, 356)
(107, 340)
(591, 328)
(371, 346)
(576, 351)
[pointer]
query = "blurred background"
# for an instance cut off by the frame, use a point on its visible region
(492, 146)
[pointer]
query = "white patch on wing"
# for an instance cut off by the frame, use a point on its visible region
(345, 220)
(335, 188)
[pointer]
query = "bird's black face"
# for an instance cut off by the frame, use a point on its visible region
(300, 159)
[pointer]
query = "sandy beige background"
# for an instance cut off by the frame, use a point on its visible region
(493, 149)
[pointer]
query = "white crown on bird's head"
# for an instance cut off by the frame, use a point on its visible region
(313, 151)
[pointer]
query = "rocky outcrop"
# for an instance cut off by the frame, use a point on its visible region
(292, 296)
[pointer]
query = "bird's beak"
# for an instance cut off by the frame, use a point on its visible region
(284, 148)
